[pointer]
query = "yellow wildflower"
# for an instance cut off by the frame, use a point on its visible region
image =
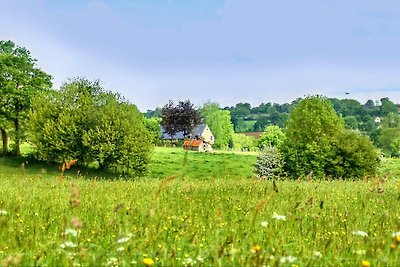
(148, 262)
(256, 249)
(365, 263)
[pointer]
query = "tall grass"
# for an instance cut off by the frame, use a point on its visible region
(51, 220)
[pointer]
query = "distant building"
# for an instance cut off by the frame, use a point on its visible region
(200, 139)
(256, 135)
(377, 120)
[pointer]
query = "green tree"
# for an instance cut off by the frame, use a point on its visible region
(20, 81)
(388, 106)
(153, 126)
(272, 136)
(83, 122)
(317, 143)
(313, 120)
(219, 122)
(243, 142)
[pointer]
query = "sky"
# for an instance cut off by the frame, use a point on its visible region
(255, 51)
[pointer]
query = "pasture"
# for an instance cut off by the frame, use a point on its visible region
(202, 210)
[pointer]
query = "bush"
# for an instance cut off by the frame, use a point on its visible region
(272, 136)
(318, 144)
(83, 122)
(269, 164)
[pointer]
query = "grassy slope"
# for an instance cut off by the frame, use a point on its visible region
(217, 220)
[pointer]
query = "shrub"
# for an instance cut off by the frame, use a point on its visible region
(269, 164)
(318, 143)
(272, 136)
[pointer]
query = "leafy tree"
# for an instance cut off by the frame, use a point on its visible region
(83, 122)
(351, 122)
(243, 142)
(388, 106)
(182, 117)
(313, 120)
(20, 81)
(219, 122)
(273, 136)
(386, 137)
(395, 148)
(153, 126)
(317, 143)
(262, 122)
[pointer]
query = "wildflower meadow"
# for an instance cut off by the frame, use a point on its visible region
(73, 220)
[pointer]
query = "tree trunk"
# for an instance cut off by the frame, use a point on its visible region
(4, 137)
(17, 138)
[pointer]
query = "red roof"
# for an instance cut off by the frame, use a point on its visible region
(193, 143)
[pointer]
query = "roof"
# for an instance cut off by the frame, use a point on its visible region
(193, 143)
(197, 131)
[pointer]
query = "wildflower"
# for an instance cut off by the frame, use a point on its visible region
(393, 246)
(278, 217)
(264, 224)
(112, 262)
(199, 259)
(123, 240)
(76, 223)
(365, 263)
(288, 259)
(3, 212)
(256, 249)
(67, 244)
(188, 262)
(120, 249)
(361, 252)
(72, 232)
(395, 234)
(360, 233)
(148, 262)
(317, 254)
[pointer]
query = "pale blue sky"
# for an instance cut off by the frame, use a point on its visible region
(227, 51)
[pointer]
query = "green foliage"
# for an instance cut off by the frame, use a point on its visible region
(83, 122)
(20, 81)
(219, 122)
(318, 144)
(313, 120)
(243, 142)
(395, 148)
(386, 137)
(272, 136)
(269, 164)
(153, 127)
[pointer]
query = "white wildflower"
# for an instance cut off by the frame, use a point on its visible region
(133, 262)
(317, 254)
(360, 233)
(123, 240)
(395, 234)
(188, 262)
(72, 232)
(68, 244)
(112, 262)
(278, 217)
(3, 212)
(120, 249)
(288, 259)
(361, 252)
(264, 224)
(200, 259)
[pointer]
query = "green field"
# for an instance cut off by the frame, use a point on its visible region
(202, 210)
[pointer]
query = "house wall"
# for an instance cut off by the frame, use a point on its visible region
(207, 136)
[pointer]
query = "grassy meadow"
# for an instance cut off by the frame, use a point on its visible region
(201, 210)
